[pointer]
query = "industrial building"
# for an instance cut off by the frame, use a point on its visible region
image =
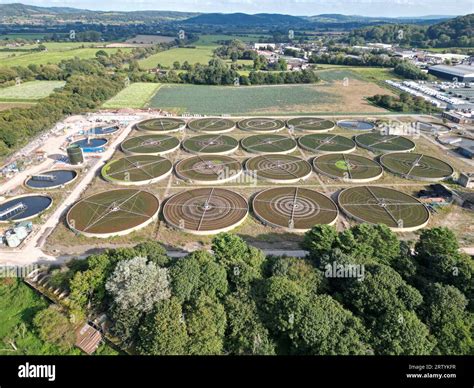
(461, 73)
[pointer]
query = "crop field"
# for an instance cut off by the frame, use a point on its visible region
(327, 98)
(29, 91)
(58, 52)
(136, 95)
(200, 54)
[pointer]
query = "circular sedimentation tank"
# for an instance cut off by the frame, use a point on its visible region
(269, 144)
(137, 170)
(382, 143)
(102, 131)
(433, 128)
(24, 207)
(348, 167)
(113, 213)
(211, 145)
(161, 125)
(294, 209)
(310, 124)
(356, 125)
(381, 205)
(150, 145)
(208, 169)
(212, 125)
(278, 168)
(205, 211)
(261, 125)
(327, 143)
(51, 179)
(417, 166)
(91, 145)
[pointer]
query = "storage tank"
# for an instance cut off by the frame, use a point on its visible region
(75, 155)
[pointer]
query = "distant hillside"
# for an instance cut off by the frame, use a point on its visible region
(23, 10)
(11, 13)
(457, 32)
(21, 14)
(242, 19)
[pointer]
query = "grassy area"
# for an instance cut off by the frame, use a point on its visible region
(56, 54)
(237, 100)
(136, 95)
(200, 54)
(29, 91)
(18, 306)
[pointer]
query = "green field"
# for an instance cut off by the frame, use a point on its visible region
(339, 72)
(56, 53)
(134, 96)
(29, 91)
(200, 54)
(219, 100)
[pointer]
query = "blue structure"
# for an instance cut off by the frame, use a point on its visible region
(91, 145)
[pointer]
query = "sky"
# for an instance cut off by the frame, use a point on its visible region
(392, 8)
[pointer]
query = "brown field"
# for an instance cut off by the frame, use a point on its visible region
(142, 40)
(10, 105)
(350, 98)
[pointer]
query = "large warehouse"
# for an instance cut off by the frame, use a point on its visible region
(463, 73)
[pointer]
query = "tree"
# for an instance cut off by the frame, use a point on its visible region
(400, 332)
(55, 328)
(300, 271)
(164, 331)
(153, 251)
(135, 286)
(246, 333)
(436, 241)
(446, 316)
(198, 273)
(370, 242)
(242, 262)
(206, 323)
(408, 70)
(284, 301)
(138, 284)
(381, 290)
(176, 65)
(326, 328)
(319, 240)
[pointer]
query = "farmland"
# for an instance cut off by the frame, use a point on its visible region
(200, 54)
(134, 96)
(282, 99)
(29, 91)
(56, 52)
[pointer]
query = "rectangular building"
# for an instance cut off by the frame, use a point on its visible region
(461, 73)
